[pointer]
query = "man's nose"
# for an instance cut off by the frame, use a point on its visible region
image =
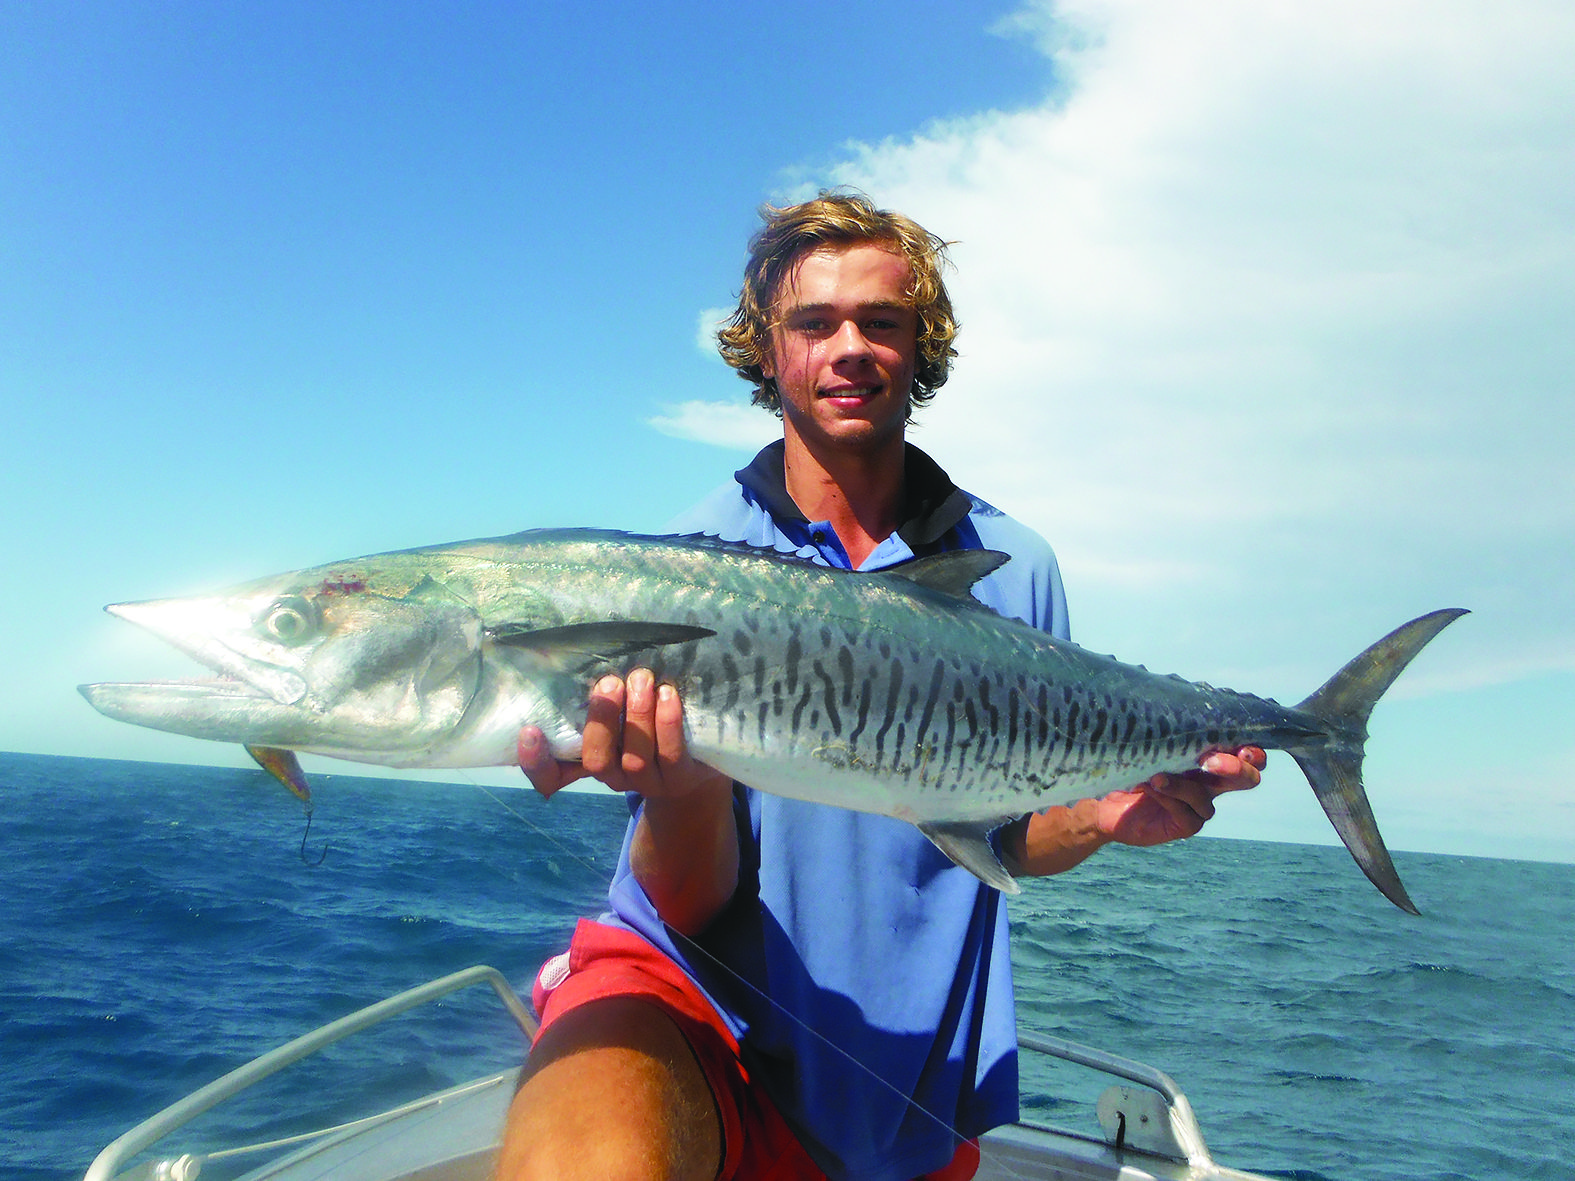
(849, 342)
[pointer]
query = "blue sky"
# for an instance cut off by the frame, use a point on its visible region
(1265, 323)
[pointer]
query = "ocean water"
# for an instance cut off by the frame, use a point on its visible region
(159, 926)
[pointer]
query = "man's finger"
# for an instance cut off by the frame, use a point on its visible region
(1183, 797)
(603, 737)
(639, 726)
(546, 774)
(672, 750)
(1235, 771)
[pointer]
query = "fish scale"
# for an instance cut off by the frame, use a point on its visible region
(892, 692)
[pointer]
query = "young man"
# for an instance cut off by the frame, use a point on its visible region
(782, 989)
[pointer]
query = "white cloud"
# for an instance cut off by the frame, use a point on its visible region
(1266, 321)
(1273, 300)
(721, 424)
(706, 324)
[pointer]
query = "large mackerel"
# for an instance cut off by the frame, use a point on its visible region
(893, 692)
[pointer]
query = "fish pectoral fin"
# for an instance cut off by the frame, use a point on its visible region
(952, 573)
(968, 845)
(285, 767)
(578, 644)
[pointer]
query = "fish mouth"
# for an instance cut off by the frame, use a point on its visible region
(219, 708)
(187, 688)
(397, 677)
(244, 697)
(186, 625)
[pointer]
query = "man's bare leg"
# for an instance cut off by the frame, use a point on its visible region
(612, 1092)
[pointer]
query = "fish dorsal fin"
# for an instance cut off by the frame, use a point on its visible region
(952, 573)
(967, 843)
(603, 641)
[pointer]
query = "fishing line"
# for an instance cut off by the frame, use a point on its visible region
(691, 945)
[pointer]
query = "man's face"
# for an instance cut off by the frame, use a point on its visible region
(843, 347)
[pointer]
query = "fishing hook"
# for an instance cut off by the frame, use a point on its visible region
(308, 832)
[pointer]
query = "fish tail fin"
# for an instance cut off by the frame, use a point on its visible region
(1332, 762)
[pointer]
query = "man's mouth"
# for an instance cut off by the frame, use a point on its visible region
(851, 393)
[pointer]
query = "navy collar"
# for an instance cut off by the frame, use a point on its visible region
(931, 504)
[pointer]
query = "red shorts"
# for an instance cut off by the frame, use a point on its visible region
(757, 1143)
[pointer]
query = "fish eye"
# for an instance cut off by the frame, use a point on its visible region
(291, 621)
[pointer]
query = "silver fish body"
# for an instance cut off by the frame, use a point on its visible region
(893, 692)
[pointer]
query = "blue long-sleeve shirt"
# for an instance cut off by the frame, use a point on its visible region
(866, 977)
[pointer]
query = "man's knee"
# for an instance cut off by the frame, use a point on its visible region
(612, 1090)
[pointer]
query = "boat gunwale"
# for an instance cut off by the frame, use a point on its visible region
(1193, 1156)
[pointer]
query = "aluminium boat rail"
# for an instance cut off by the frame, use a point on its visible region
(1150, 1131)
(107, 1165)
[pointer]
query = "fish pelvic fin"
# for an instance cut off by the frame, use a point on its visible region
(968, 845)
(1332, 762)
(285, 767)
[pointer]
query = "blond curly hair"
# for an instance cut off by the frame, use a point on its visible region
(838, 218)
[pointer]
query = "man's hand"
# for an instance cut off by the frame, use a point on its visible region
(685, 848)
(1166, 808)
(1173, 807)
(633, 741)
